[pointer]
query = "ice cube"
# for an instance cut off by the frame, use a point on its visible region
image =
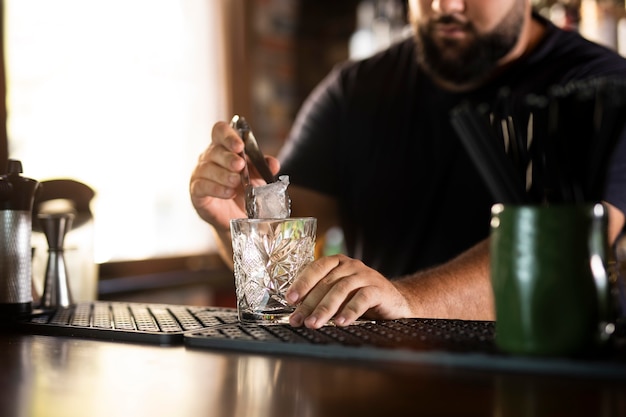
(271, 201)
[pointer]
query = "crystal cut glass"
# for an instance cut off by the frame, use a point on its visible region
(268, 254)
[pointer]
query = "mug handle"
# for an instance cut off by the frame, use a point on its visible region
(599, 249)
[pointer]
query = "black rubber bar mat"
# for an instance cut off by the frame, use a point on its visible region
(162, 324)
(427, 341)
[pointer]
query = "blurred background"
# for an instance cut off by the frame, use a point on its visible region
(121, 95)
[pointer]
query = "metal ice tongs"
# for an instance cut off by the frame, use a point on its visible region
(252, 150)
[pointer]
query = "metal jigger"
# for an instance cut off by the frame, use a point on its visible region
(56, 292)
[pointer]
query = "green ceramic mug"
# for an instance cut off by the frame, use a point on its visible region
(549, 278)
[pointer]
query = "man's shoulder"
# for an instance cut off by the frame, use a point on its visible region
(578, 56)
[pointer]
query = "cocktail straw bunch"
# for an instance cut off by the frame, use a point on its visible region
(548, 149)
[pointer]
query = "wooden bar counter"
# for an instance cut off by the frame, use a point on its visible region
(49, 376)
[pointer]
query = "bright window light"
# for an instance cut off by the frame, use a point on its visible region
(120, 95)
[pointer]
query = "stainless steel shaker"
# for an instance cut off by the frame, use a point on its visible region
(16, 203)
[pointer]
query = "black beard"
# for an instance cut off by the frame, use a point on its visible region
(475, 63)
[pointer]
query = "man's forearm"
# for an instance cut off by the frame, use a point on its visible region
(224, 247)
(459, 289)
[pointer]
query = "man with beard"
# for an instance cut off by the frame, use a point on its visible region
(373, 151)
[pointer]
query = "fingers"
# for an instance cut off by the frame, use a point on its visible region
(272, 163)
(217, 173)
(219, 167)
(224, 156)
(335, 287)
(225, 136)
(215, 185)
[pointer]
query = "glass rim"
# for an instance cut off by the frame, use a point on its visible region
(271, 219)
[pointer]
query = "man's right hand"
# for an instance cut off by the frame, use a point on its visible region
(215, 186)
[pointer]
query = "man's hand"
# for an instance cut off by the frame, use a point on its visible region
(340, 288)
(215, 186)
(343, 289)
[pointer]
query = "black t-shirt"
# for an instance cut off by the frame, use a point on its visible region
(376, 135)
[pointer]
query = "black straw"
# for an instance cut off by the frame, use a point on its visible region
(480, 142)
(554, 149)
